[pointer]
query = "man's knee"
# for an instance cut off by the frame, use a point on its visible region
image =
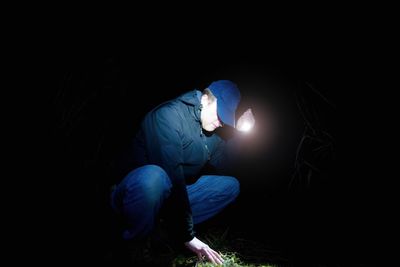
(232, 186)
(152, 180)
(154, 177)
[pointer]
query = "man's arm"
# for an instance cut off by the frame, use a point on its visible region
(226, 152)
(162, 129)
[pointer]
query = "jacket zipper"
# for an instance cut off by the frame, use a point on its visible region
(205, 143)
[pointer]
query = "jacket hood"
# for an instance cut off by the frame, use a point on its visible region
(192, 98)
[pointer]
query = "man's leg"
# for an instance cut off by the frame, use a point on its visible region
(138, 199)
(210, 194)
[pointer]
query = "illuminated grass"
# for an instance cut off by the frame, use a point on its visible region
(236, 252)
(230, 260)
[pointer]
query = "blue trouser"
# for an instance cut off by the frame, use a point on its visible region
(141, 194)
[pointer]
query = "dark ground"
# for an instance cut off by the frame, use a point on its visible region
(306, 187)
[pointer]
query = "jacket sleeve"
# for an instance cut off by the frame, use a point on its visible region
(162, 130)
(225, 154)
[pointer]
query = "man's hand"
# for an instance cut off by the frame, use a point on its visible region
(246, 121)
(203, 250)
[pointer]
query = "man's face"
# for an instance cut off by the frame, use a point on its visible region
(208, 115)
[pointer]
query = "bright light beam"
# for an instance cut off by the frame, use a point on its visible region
(246, 127)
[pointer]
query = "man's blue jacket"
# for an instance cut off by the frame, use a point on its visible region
(171, 137)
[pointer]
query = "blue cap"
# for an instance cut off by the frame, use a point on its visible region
(228, 98)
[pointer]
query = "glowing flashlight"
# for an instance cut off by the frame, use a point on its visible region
(245, 127)
(246, 121)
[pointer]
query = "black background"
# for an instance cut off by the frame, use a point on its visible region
(98, 94)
